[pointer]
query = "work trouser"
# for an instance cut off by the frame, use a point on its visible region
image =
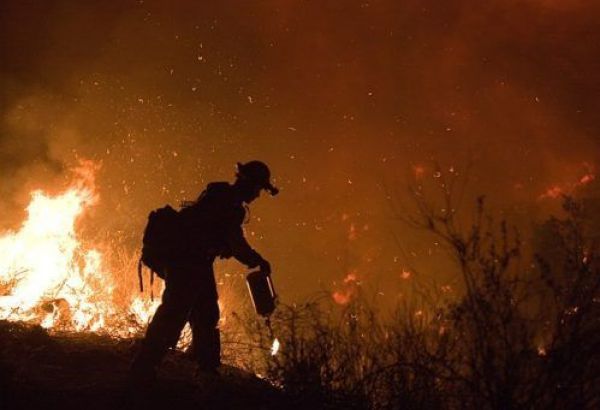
(190, 295)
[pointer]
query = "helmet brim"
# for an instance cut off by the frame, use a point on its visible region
(271, 189)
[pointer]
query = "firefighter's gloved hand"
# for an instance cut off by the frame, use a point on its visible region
(265, 267)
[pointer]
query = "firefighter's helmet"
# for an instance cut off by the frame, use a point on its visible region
(258, 173)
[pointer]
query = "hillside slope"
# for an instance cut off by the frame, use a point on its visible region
(82, 370)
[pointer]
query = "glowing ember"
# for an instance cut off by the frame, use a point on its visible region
(586, 179)
(352, 233)
(557, 191)
(344, 296)
(552, 192)
(275, 347)
(419, 171)
(351, 277)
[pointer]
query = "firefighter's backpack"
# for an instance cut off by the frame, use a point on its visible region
(160, 243)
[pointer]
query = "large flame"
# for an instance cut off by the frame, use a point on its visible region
(49, 277)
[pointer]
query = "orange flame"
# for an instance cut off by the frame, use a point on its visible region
(47, 276)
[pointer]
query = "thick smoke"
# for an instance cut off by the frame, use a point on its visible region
(340, 98)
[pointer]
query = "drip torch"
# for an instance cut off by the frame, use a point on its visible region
(262, 293)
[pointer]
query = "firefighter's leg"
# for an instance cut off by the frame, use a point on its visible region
(204, 319)
(167, 323)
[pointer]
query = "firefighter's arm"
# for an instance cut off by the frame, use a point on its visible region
(243, 252)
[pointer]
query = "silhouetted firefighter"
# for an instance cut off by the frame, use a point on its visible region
(181, 247)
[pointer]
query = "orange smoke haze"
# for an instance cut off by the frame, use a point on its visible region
(346, 101)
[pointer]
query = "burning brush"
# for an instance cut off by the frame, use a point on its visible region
(50, 277)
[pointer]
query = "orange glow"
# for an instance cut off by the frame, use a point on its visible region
(342, 297)
(552, 192)
(558, 190)
(352, 233)
(381, 101)
(419, 171)
(351, 277)
(586, 179)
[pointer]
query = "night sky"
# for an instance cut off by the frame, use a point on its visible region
(343, 99)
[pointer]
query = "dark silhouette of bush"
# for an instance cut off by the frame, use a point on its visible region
(523, 334)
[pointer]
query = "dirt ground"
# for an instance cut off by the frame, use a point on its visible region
(87, 371)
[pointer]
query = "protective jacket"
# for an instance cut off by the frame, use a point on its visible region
(212, 226)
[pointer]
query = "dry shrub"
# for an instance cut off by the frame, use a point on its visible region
(516, 338)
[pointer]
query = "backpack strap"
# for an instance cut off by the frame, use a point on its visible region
(140, 275)
(151, 284)
(141, 279)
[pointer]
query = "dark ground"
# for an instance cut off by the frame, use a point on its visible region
(87, 371)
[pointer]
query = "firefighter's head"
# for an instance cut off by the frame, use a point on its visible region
(251, 178)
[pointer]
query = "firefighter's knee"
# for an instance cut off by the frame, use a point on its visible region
(205, 315)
